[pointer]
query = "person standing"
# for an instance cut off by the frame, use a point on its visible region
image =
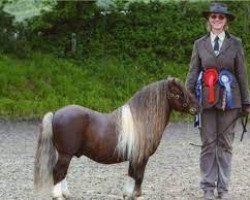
(218, 76)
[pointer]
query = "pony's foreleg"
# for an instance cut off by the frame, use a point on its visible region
(59, 174)
(135, 178)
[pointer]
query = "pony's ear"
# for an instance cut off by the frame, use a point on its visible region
(170, 78)
(175, 81)
(172, 82)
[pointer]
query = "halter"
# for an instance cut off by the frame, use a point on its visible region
(184, 105)
(177, 96)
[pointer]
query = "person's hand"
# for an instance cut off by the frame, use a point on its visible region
(245, 109)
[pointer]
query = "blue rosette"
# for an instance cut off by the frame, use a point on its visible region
(198, 88)
(198, 94)
(226, 80)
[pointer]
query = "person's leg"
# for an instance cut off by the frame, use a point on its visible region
(208, 163)
(226, 122)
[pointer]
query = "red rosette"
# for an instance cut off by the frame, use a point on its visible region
(210, 79)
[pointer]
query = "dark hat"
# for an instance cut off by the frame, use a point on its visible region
(218, 8)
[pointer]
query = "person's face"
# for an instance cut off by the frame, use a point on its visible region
(217, 21)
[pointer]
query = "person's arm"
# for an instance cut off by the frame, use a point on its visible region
(241, 74)
(194, 70)
(242, 78)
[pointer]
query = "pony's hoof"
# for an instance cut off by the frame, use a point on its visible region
(137, 193)
(66, 196)
(125, 197)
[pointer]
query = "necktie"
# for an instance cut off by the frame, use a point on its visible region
(216, 44)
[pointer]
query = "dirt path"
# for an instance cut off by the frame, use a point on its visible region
(172, 172)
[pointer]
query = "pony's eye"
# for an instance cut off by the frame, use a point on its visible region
(177, 96)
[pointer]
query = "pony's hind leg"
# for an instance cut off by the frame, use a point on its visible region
(60, 190)
(135, 178)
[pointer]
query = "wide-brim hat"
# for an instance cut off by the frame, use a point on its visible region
(218, 8)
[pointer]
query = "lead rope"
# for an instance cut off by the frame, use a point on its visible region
(188, 126)
(189, 133)
(236, 118)
(194, 144)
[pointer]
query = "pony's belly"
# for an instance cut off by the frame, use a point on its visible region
(104, 158)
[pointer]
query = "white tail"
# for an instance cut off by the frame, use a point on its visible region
(46, 157)
(127, 136)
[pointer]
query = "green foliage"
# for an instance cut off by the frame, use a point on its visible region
(6, 29)
(118, 51)
(12, 37)
(161, 31)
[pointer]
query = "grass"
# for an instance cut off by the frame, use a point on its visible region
(43, 83)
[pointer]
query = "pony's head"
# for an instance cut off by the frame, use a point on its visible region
(180, 99)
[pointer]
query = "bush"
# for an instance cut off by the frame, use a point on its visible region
(117, 53)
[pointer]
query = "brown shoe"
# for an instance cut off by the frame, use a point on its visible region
(208, 195)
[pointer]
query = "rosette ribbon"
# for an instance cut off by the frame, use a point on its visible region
(226, 79)
(198, 88)
(198, 94)
(210, 79)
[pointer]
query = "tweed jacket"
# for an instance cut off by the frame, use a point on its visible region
(230, 57)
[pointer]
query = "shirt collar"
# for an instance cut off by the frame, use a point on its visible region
(221, 36)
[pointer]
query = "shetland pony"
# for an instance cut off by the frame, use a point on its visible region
(131, 133)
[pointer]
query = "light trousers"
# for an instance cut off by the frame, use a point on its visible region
(217, 136)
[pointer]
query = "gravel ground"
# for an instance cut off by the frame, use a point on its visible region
(172, 172)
